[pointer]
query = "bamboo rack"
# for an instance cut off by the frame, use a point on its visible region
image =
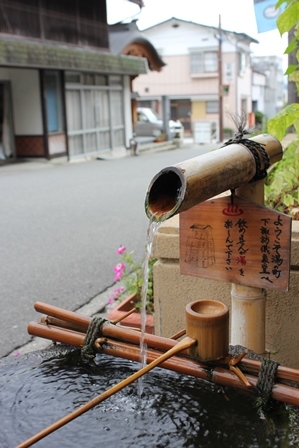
(68, 327)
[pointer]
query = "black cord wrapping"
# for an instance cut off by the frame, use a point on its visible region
(94, 331)
(256, 149)
(265, 382)
(266, 378)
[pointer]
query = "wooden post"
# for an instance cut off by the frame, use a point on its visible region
(248, 305)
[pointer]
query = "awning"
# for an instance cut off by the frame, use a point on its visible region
(22, 53)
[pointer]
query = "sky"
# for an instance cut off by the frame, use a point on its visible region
(236, 15)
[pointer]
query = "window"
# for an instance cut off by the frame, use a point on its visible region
(91, 79)
(212, 107)
(242, 62)
(53, 101)
(244, 105)
(115, 80)
(72, 77)
(203, 62)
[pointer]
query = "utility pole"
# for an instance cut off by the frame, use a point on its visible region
(220, 87)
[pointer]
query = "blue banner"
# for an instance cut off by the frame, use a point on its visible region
(266, 14)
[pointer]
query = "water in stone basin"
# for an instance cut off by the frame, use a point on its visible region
(173, 411)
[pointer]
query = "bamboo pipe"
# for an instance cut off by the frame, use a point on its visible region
(70, 316)
(250, 365)
(179, 187)
(108, 329)
(49, 320)
(248, 303)
(55, 334)
(211, 372)
(215, 372)
(282, 374)
(181, 345)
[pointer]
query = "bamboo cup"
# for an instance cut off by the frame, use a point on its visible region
(207, 321)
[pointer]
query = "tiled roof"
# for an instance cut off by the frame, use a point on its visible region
(25, 53)
(121, 35)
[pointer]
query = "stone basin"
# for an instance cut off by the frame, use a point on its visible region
(164, 409)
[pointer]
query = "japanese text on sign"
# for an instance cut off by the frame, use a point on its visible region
(241, 243)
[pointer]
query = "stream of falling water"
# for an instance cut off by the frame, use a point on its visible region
(152, 228)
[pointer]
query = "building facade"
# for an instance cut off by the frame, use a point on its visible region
(62, 93)
(271, 67)
(191, 80)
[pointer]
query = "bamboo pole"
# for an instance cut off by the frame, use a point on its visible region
(216, 372)
(56, 334)
(132, 336)
(69, 316)
(109, 329)
(210, 372)
(181, 345)
(179, 187)
(248, 303)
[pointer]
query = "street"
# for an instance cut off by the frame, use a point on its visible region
(61, 225)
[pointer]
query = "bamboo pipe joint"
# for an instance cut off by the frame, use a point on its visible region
(207, 321)
(179, 187)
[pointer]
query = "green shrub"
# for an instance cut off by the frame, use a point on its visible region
(282, 183)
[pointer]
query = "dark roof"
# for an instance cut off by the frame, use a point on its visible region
(32, 54)
(121, 35)
(243, 35)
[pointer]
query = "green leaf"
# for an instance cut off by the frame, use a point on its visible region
(288, 18)
(279, 3)
(291, 69)
(278, 125)
(288, 200)
(294, 77)
(292, 46)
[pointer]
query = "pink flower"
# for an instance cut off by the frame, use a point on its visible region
(121, 249)
(119, 291)
(118, 276)
(119, 268)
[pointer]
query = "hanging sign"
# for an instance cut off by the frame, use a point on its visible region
(237, 241)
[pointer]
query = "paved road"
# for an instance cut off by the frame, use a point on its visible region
(60, 227)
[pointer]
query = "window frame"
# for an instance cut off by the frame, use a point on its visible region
(200, 63)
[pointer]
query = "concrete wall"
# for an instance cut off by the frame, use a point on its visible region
(27, 107)
(26, 100)
(173, 291)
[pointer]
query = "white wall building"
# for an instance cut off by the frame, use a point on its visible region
(191, 77)
(271, 66)
(258, 91)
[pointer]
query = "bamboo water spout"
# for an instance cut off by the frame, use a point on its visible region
(179, 187)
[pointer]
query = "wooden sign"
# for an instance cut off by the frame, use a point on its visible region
(237, 241)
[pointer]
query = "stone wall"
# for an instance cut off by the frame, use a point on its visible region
(173, 291)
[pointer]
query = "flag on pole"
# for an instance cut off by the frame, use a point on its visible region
(266, 14)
